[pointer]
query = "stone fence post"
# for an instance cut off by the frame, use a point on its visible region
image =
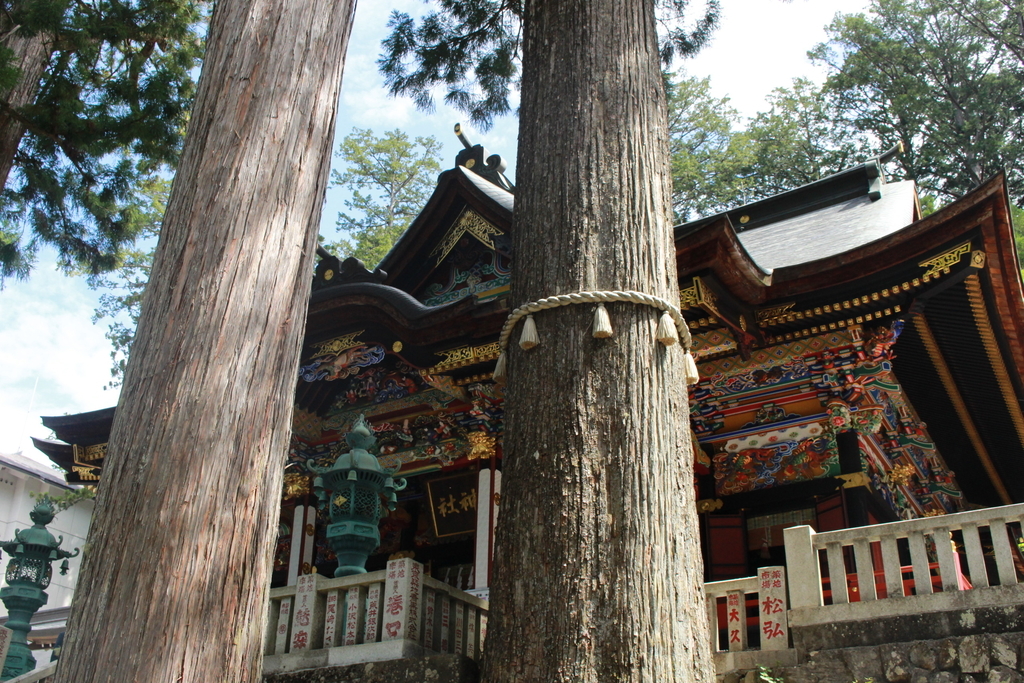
(403, 598)
(803, 572)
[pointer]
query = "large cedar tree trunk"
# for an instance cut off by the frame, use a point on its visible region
(31, 55)
(174, 585)
(598, 567)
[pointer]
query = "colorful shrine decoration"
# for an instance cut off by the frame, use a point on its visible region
(776, 458)
(352, 488)
(475, 257)
(857, 363)
(28, 574)
(842, 383)
(342, 364)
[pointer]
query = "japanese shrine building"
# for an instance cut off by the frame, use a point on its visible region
(859, 363)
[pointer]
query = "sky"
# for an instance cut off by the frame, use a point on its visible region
(54, 360)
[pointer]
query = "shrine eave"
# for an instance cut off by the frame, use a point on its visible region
(347, 307)
(84, 429)
(457, 189)
(906, 246)
(715, 247)
(877, 274)
(63, 455)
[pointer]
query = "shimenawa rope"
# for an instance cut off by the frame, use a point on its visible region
(671, 327)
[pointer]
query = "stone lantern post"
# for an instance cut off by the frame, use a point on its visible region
(28, 575)
(352, 488)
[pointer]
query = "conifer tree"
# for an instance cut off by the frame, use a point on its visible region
(94, 99)
(597, 561)
(473, 48)
(390, 178)
(924, 73)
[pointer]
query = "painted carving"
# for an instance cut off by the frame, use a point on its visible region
(879, 342)
(775, 464)
(770, 413)
(469, 267)
(334, 366)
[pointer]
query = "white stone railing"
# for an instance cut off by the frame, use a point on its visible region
(864, 563)
(401, 612)
(390, 614)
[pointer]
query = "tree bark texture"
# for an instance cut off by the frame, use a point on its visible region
(175, 582)
(597, 560)
(31, 56)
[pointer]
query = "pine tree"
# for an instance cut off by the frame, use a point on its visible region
(94, 99)
(472, 49)
(802, 137)
(709, 151)
(123, 289)
(390, 179)
(922, 73)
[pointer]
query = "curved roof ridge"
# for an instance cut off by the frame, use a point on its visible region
(862, 180)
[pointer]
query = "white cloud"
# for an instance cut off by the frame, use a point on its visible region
(53, 359)
(762, 45)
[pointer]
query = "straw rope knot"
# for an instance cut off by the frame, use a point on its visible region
(671, 328)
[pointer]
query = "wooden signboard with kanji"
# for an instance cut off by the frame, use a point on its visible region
(453, 502)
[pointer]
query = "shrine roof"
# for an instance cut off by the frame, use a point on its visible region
(834, 229)
(504, 198)
(458, 189)
(83, 429)
(21, 463)
(818, 220)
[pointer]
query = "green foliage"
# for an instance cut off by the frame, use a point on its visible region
(471, 48)
(1017, 219)
(709, 156)
(390, 178)
(122, 300)
(717, 165)
(110, 112)
(923, 73)
(999, 21)
(802, 137)
(67, 499)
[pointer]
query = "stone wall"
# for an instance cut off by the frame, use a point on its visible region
(435, 669)
(948, 614)
(983, 658)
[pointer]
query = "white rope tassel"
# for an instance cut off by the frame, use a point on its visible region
(500, 373)
(528, 339)
(602, 323)
(690, 369)
(666, 333)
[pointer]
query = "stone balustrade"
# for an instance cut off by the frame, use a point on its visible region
(391, 614)
(881, 584)
(936, 577)
(895, 560)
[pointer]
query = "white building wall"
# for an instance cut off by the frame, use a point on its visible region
(19, 476)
